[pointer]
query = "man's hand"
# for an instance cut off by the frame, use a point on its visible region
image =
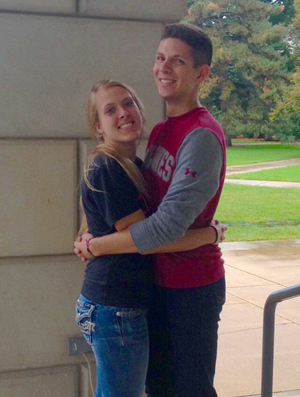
(80, 248)
(220, 228)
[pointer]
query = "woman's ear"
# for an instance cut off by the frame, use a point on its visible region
(99, 129)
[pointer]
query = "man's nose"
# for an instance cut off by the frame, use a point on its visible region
(166, 66)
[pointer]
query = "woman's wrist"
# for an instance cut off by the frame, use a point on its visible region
(88, 246)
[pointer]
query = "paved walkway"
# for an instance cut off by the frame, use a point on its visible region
(234, 170)
(293, 185)
(240, 169)
(253, 271)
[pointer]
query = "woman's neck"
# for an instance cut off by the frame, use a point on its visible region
(126, 149)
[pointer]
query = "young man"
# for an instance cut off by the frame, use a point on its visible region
(185, 169)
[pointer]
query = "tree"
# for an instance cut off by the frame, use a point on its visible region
(249, 66)
(286, 15)
(287, 110)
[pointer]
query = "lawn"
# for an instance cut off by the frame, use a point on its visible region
(259, 213)
(259, 153)
(286, 174)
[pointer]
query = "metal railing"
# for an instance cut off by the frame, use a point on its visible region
(268, 336)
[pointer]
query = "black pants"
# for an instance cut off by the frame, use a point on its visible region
(183, 330)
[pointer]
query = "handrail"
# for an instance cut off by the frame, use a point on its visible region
(268, 335)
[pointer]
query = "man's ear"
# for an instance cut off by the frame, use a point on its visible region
(203, 72)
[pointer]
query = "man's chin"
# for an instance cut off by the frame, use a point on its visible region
(165, 95)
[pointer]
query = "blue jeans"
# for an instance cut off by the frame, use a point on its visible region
(119, 340)
(183, 330)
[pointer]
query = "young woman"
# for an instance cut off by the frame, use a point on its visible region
(116, 292)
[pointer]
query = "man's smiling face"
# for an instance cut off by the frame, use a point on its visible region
(175, 75)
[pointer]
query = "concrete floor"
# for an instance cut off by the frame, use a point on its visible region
(253, 271)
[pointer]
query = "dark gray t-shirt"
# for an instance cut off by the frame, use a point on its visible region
(113, 280)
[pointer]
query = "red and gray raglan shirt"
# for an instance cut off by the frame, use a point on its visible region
(185, 169)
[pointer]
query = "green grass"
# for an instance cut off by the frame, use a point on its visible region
(259, 213)
(286, 174)
(261, 233)
(259, 153)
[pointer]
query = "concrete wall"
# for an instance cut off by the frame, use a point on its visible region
(52, 52)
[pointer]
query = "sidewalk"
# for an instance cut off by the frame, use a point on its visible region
(253, 271)
(291, 185)
(240, 169)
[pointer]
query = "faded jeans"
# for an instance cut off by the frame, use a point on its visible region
(119, 340)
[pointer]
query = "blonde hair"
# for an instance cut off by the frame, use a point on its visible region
(102, 148)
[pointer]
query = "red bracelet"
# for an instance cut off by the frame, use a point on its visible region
(87, 243)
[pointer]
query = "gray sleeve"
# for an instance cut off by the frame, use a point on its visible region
(195, 181)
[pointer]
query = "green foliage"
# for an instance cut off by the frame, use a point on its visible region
(252, 61)
(287, 14)
(287, 110)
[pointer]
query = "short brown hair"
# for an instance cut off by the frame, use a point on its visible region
(194, 37)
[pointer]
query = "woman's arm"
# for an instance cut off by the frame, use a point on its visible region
(122, 242)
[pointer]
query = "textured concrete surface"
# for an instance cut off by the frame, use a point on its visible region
(52, 6)
(38, 201)
(35, 383)
(45, 81)
(156, 10)
(253, 271)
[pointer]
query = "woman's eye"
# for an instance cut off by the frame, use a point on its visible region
(110, 110)
(128, 104)
(179, 61)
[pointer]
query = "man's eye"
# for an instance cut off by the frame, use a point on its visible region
(179, 61)
(159, 58)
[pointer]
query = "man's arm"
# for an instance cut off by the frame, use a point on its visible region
(195, 181)
(186, 198)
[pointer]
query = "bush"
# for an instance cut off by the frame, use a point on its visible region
(285, 130)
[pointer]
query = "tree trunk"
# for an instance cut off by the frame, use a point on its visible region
(227, 136)
(228, 139)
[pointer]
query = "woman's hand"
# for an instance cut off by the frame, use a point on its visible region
(80, 247)
(220, 229)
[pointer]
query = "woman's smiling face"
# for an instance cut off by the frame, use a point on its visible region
(120, 119)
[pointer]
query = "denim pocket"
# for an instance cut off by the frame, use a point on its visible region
(131, 313)
(84, 319)
(132, 325)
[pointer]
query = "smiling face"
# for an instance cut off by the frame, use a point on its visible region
(176, 78)
(120, 119)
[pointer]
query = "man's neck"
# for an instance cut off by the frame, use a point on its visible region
(175, 109)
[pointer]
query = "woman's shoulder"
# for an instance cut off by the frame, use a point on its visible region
(103, 162)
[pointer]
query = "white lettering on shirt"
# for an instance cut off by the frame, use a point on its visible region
(160, 161)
